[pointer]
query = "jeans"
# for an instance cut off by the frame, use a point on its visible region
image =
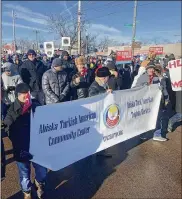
(174, 119)
(24, 169)
(162, 122)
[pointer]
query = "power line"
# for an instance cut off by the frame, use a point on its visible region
(113, 13)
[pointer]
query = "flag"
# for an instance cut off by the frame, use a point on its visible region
(27, 103)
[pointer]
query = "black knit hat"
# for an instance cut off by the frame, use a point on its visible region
(103, 72)
(111, 66)
(31, 51)
(22, 88)
(65, 53)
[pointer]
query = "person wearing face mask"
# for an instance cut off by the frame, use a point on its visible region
(9, 81)
(17, 120)
(55, 83)
(32, 71)
(80, 79)
(100, 85)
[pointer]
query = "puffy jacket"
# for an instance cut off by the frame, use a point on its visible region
(96, 89)
(80, 90)
(7, 82)
(31, 73)
(19, 127)
(55, 86)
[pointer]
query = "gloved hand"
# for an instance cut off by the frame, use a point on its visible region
(3, 126)
(61, 98)
(25, 156)
(166, 102)
(10, 88)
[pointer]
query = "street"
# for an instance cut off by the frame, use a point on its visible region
(138, 169)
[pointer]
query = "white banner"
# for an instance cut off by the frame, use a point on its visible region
(175, 72)
(64, 133)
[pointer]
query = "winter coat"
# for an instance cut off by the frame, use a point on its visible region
(178, 101)
(19, 127)
(18, 66)
(31, 73)
(55, 86)
(96, 89)
(47, 65)
(126, 78)
(80, 90)
(10, 81)
(68, 66)
(115, 83)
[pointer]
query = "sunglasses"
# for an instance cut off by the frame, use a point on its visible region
(31, 54)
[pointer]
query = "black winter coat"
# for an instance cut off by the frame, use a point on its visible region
(96, 89)
(19, 127)
(80, 90)
(31, 73)
(115, 83)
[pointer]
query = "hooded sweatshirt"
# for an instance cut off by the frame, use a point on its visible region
(9, 81)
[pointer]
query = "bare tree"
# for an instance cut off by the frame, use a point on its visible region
(64, 28)
(24, 44)
(103, 44)
(88, 42)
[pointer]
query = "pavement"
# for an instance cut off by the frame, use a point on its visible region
(137, 169)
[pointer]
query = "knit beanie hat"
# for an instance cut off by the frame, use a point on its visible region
(57, 62)
(21, 88)
(103, 72)
(31, 51)
(80, 60)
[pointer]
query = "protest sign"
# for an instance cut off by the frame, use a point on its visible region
(64, 133)
(175, 72)
(124, 55)
(157, 50)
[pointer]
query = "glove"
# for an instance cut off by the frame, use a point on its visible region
(10, 88)
(25, 156)
(61, 98)
(3, 126)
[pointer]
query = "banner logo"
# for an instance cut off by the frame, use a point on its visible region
(112, 116)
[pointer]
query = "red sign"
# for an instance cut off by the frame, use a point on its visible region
(123, 55)
(157, 50)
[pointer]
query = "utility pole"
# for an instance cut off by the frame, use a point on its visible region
(134, 26)
(86, 44)
(79, 27)
(36, 37)
(14, 40)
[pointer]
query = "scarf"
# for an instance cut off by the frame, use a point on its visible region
(150, 79)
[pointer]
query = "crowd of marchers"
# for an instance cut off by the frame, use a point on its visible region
(35, 80)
